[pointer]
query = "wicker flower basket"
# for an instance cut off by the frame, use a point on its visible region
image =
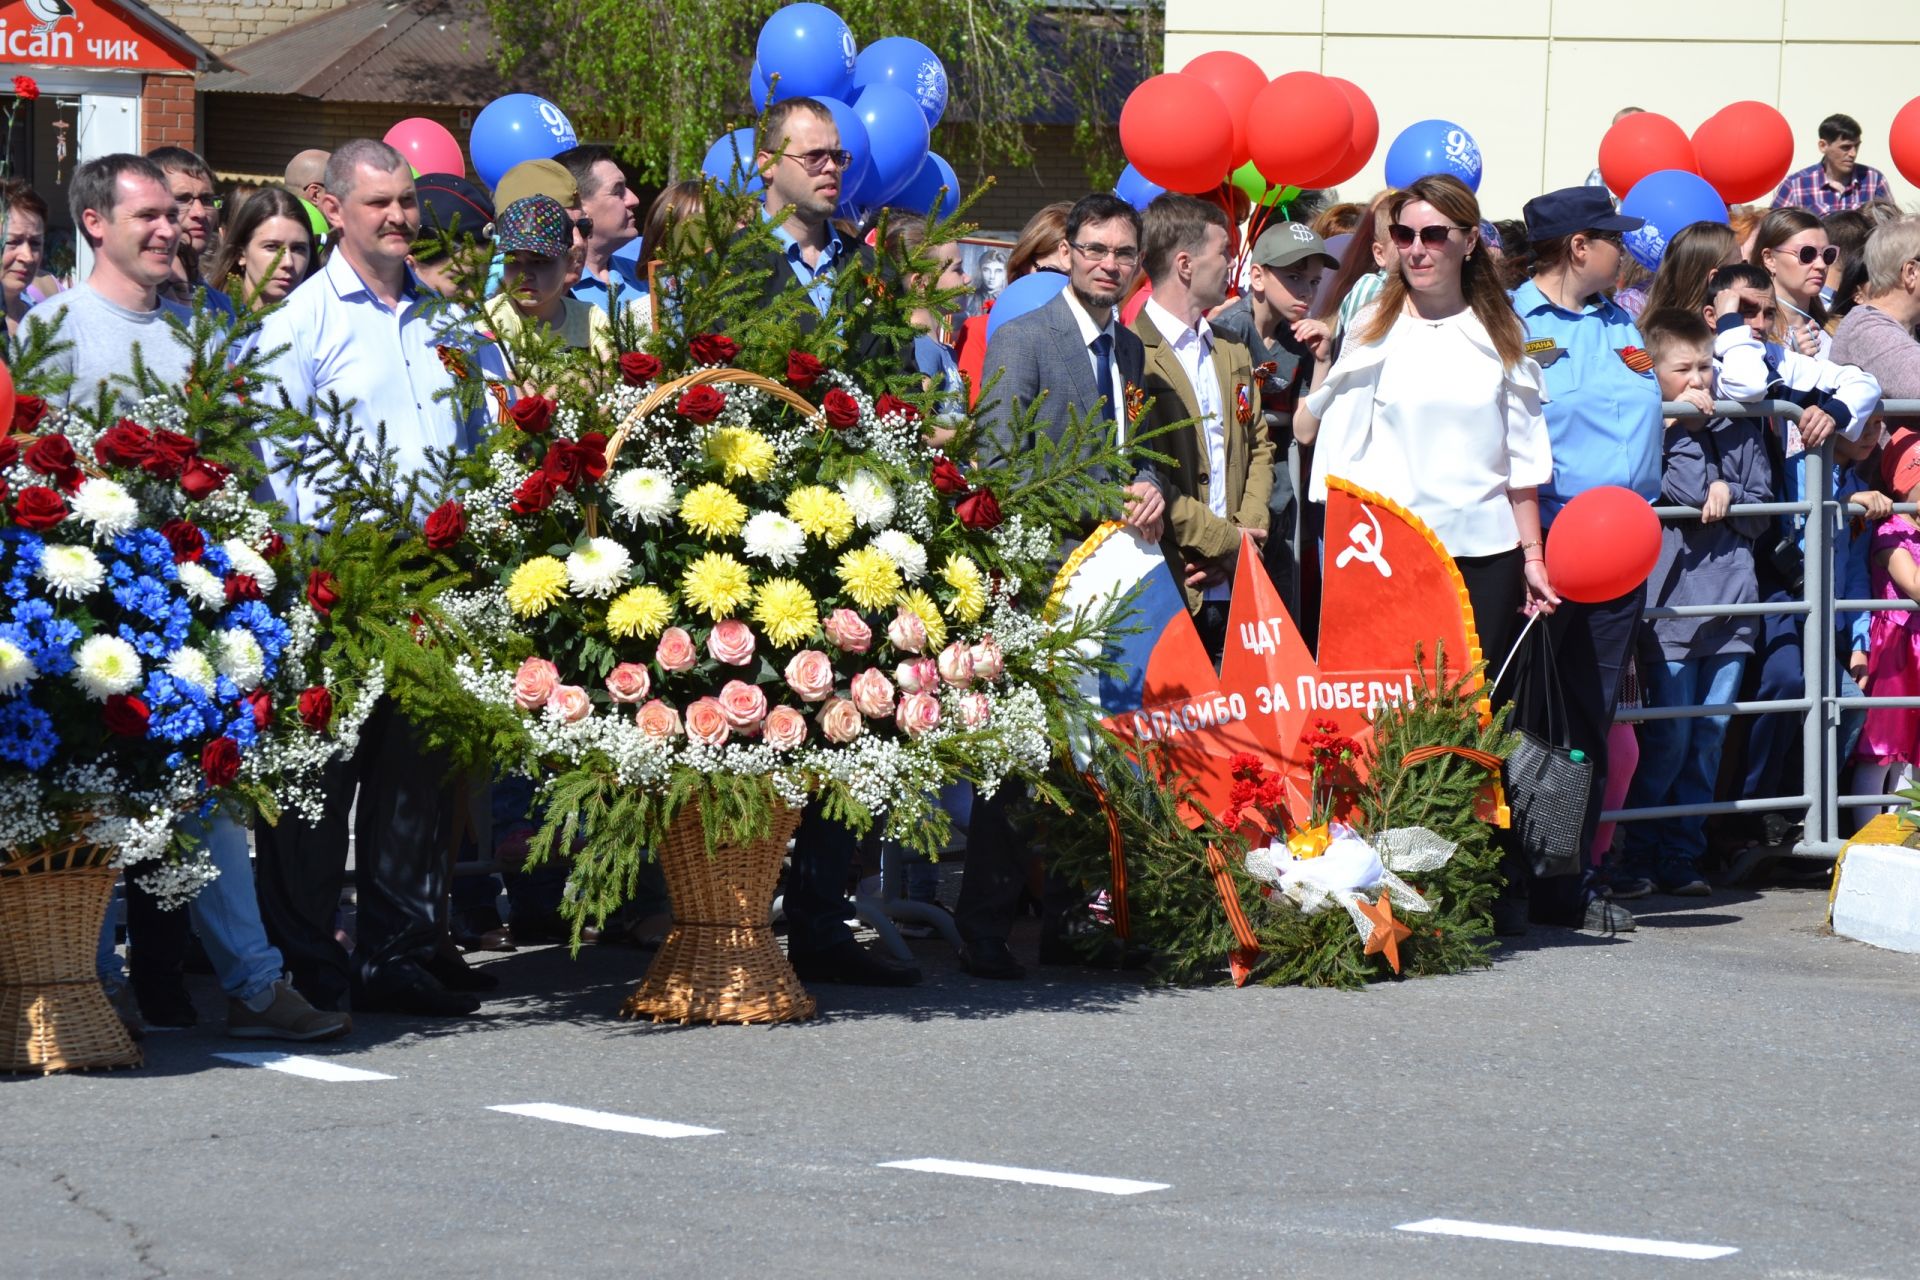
(720, 962)
(54, 1015)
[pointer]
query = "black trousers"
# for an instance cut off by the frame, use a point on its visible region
(401, 829)
(815, 898)
(1497, 589)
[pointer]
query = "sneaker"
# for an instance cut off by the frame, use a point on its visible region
(1623, 887)
(289, 1017)
(1606, 916)
(1693, 888)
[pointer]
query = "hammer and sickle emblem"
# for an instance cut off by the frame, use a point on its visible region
(1366, 541)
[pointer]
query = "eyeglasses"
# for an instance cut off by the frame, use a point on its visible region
(1101, 252)
(1611, 237)
(1807, 253)
(816, 161)
(210, 203)
(1433, 237)
(585, 227)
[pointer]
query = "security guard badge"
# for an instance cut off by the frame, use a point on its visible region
(1545, 351)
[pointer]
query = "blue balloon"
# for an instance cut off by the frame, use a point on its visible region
(810, 49)
(853, 140)
(515, 128)
(1668, 200)
(1134, 188)
(1433, 146)
(909, 66)
(897, 135)
(758, 87)
(1028, 293)
(729, 162)
(924, 191)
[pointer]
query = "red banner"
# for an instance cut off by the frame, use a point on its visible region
(87, 33)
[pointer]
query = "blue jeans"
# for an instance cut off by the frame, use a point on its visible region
(1679, 763)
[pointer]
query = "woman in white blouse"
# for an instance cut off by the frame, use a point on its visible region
(1435, 404)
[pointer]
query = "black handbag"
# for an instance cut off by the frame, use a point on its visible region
(1548, 782)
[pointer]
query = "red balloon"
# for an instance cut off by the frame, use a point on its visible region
(1177, 133)
(6, 400)
(1643, 143)
(427, 144)
(1744, 151)
(1602, 545)
(1366, 135)
(1238, 79)
(1300, 128)
(1904, 145)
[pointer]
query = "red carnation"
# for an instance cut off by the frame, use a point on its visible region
(53, 457)
(260, 702)
(803, 370)
(947, 477)
(185, 538)
(446, 526)
(242, 586)
(125, 444)
(890, 403)
(842, 410)
(316, 707)
(220, 762)
(532, 414)
(171, 453)
(323, 592)
(978, 510)
(702, 404)
(534, 495)
(27, 412)
(593, 454)
(39, 509)
(25, 88)
(713, 348)
(126, 716)
(637, 368)
(202, 479)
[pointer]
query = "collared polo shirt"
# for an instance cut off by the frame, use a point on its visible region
(626, 279)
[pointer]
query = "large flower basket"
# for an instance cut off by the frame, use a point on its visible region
(54, 1014)
(720, 962)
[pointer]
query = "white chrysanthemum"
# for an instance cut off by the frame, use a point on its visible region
(245, 559)
(16, 668)
(206, 590)
(598, 569)
(240, 659)
(643, 494)
(107, 506)
(774, 538)
(106, 665)
(190, 666)
(870, 497)
(72, 573)
(908, 556)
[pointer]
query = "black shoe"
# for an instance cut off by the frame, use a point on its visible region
(456, 974)
(1509, 917)
(991, 959)
(547, 927)
(408, 988)
(853, 964)
(165, 1004)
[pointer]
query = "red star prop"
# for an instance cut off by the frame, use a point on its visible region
(1387, 931)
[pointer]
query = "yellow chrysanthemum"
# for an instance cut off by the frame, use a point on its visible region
(639, 613)
(869, 576)
(712, 511)
(537, 586)
(785, 611)
(823, 513)
(922, 606)
(741, 452)
(969, 588)
(716, 584)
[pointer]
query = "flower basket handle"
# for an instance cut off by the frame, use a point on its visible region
(671, 389)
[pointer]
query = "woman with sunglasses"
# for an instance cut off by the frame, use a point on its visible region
(1791, 246)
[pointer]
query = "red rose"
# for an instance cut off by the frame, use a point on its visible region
(891, 404)
(52, 456)
(637, 368)
(563, 464)
(947, 477)
(323, 592)
(185, 538)
(276, 547)
(532, 414)
(803, 370)
(242, 586)
(446, 526)
(534, 495)
(171, 453)
(126, 716)
(316, 707)
(126, 444)
(25, 88)
(702, 404)
(261, 704)
(593, 454)
(978, 510)
(220, 762)
(39, 508)
(713, 348)
(842, 410)
(201, 478)
(27, 412)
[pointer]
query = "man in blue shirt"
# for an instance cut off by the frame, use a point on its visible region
(802, 162)
(612, 275)
(1839, 181)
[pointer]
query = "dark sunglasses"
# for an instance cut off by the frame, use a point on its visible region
(585, 227)
(1433, 237)
(818, 160)
(1807, 253)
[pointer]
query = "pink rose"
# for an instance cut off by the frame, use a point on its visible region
(956, 664)
(629, 682)
(917, 675)
(975, 709)
(873, 694)
(988, 661)
(534, 683)
(785, 729)
(658, 720)
(743, 705)
(570, 702)
(917, 713)
(907, 633)
(731, 642)
(848, 631)
(676, 650)
(840, 721)
(707, 723)
(810, 674)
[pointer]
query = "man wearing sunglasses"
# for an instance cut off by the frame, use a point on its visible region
(803, 165)
(1839, 180)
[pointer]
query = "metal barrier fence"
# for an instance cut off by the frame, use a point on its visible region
(1820, 801)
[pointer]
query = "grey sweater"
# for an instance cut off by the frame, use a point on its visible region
(103, 336)
(1709, 563)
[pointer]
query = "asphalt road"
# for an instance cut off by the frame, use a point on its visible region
(1728, 1078)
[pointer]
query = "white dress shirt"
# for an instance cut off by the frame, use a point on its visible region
(1193, 350)
(1088, 332)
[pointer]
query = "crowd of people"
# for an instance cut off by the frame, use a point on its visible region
(1481, 373)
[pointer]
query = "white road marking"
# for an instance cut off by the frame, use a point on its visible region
(1568, 1239)
(1037, 1177)
(606, 1120)
(310, 1068)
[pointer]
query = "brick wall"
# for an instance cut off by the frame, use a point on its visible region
(227, 24)
(167, 112)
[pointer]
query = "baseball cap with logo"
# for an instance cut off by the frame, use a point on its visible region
(534, 224)
(1286, 243)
